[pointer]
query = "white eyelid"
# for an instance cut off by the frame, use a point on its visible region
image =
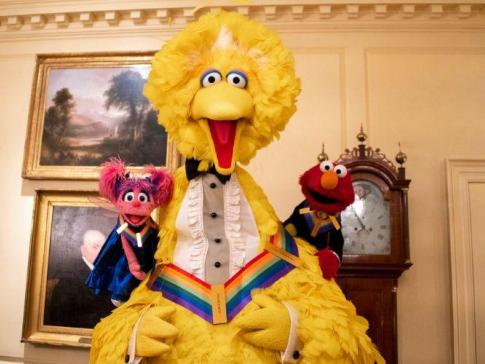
(237, 79)
(340, 170)
(210, 78)
(129, 194)
(326, 166)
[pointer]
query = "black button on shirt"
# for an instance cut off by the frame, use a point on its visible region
(217, 240)
(217, 264)
(212, 185)
(213, 215)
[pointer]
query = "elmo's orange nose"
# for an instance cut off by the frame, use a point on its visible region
(329, 180)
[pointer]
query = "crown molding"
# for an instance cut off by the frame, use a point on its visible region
(70, 18)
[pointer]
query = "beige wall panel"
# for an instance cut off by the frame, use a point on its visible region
(432, 101)
(477, 212)
(17, 65)
(319, 118)
(412, 86)
(17, 209)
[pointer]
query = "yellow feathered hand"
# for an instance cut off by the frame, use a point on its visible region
(151, 342)
(268, 327)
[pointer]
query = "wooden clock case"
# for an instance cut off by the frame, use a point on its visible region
(370, 281)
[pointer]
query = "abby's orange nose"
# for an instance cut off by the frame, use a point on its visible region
(329, 180)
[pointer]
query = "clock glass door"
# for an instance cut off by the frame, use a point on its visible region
(366, 223)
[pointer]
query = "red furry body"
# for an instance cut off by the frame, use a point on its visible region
(325, 190)
(328, 191)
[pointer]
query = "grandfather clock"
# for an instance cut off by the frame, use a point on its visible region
(376, 240)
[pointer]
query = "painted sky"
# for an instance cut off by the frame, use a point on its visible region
(88, 85)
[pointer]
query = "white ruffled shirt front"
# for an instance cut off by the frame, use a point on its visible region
(216, 236)
(216, 231)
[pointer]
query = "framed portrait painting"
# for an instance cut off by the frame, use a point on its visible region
(68, 232)
(88, 108)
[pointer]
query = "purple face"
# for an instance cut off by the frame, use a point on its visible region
(135, 201)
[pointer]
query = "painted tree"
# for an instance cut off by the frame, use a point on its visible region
(57, 118)
(126, 93)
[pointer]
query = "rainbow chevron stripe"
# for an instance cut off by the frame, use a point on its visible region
(183, 288)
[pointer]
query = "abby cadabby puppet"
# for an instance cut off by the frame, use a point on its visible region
(128, 254)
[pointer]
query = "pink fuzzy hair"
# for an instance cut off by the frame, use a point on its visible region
(162, 182)
(112, 176)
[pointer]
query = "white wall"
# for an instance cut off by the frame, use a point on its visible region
(414, 77)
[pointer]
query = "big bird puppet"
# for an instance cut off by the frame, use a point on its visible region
(231, 286)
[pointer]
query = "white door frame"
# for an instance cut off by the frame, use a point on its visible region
(460, 174)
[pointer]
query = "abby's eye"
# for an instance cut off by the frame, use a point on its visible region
(129, 196)
(326, 166)
(340, 170)
(143, 197)
(210, 77)
(237, 78)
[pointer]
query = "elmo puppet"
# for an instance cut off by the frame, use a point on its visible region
(328, 191)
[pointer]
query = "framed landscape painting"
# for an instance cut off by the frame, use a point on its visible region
(88, 108)
(68, 232)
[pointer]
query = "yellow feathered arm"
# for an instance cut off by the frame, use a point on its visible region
(329, 327)
(112, 335)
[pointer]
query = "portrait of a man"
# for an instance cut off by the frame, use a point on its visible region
(77, 236)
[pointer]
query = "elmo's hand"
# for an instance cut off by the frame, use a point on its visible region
(329, 263)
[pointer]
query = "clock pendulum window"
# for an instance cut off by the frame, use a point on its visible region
(376, 240)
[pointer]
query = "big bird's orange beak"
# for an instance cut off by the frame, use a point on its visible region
(221, 110)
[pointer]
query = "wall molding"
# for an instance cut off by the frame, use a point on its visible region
(22, 360)
(41, 19)
(460, 174)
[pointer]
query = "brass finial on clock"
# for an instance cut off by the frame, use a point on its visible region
(361, 137)
(322, 156)
(401, 157)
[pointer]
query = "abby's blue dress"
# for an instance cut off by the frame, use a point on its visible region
(111, 273)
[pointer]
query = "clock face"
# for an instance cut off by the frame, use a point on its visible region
(366, 223)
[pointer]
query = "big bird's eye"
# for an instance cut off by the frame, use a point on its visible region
(326, 166)
(209, 78)
(340, 170)
(143, 197)
(129, 196)
(237, 78)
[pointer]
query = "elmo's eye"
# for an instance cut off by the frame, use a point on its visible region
(326, 166)
(142, 197)
(209, 78)
(340, 170)
(237, 78)
(129, 196)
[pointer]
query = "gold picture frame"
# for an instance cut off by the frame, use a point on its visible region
(59, 308)
(79, 117)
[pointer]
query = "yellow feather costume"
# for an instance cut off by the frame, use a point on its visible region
(329, 328)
